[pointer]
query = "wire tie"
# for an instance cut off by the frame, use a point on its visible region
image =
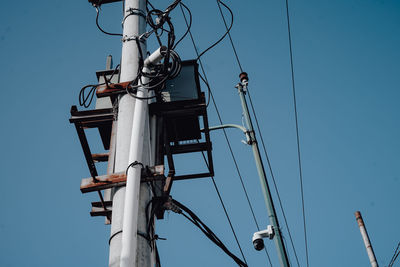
(142, 38)
(132, 165)
(135, 11)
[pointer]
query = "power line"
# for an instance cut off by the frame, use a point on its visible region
(229, 220)
(101, 29)
(229, 34)
(193, 218)
(262, 139)
(205, 76)
(222, 37)
(273, 178)
(226, 137)
(395, 255)
(297, 128)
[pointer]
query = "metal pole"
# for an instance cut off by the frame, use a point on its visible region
(367, 243)
(134, 25)
(280, 246)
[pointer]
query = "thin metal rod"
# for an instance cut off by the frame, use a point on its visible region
(367, 242)
(280, 246)
(244, 130)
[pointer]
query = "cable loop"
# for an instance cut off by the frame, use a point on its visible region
(133, 164)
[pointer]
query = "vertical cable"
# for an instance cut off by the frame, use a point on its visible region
(297, 129)
(262, 139)
(216, 188)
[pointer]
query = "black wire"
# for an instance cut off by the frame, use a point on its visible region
(210, 93)
(188, 27)
(262, 139)
(226, 137)
(297, 129)
(83, 100)
(394, 256)
(207, 231)
(132, 165)
(113, 235)
(394, 259)
(226, 213)
(273, 177)
(229, 34)
(208, 89)
(223, 36)
(98, 26)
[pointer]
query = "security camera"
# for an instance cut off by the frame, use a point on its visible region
(258, 237)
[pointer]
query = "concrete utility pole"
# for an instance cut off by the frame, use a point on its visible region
(280, 246)
(367, 243)
(141, 255)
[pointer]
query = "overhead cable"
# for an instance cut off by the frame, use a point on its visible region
(297, 128)
(193, 218)
(262, 139)
(101, 29)
(395, 255)
(210, 92)
(223, 36)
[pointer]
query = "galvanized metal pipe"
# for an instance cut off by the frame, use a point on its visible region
(280, 246)
(367, 243)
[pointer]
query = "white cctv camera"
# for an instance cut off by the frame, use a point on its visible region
(258, 237)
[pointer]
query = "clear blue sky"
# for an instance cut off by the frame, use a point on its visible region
(346, 55)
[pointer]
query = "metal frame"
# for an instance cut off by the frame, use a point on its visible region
(196, 107)
(101, 119)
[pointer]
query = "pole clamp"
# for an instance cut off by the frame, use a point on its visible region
(242, 87)
(134, 11)
(250, 139)
(141, 38)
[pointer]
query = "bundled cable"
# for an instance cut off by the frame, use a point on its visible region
(157, 76)
(192, 217)
(86, 100)
(171, 66)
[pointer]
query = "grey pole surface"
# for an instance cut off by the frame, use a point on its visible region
(134, 25)
(280, 246)
(367, 242)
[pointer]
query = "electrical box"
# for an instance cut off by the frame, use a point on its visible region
(181, 114)
(180, 92)
(185, 86)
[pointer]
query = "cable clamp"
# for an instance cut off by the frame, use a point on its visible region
(241, 87)
(148, 238)
(141, 38)
(134, 11)
(250, 137)
(170, 205)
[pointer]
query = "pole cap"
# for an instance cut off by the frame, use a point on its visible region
(243, 76)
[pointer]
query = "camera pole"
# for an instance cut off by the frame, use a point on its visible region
(280, 246)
